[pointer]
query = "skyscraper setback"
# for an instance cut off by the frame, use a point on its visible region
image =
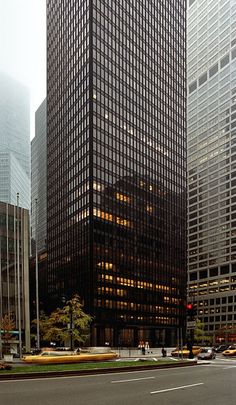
(116, 165)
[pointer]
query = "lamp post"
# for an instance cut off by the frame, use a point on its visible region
(18, 276)
(71, 325)
(0, 298)
(65, 300)
(37, 274)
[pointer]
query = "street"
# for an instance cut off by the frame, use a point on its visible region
(209, 384)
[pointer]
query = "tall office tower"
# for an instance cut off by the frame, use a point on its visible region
(116, 164)
(39, 178)
(14, 142)
(14, 270)
(212, 163)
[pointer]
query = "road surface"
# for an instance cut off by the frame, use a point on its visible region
(205, 384)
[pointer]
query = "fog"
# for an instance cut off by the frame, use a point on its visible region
(23, 46)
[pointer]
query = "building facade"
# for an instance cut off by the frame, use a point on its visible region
(14, 142)
(39, 179)
(116, 165)
(14, 270)
(211, 164)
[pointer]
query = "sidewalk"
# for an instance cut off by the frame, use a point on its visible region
(134, 353)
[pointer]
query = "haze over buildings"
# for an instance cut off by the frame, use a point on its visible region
(14, 142)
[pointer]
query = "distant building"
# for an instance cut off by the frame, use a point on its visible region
(14, 142)
(39, 179)
(116, 180)
(212, 164)
(14, 227)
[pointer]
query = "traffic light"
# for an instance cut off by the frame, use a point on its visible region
(191, 310)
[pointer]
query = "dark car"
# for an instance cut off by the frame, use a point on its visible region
(221, 348)
(206, 353)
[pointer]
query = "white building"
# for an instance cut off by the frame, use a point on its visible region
(14, 142)
(212, 163)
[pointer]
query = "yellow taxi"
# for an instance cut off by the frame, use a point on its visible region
(231, 351)
(54, 357)
(185, 352)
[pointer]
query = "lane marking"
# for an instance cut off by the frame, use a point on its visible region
(176, 388)
(226, 368)
(131, 380)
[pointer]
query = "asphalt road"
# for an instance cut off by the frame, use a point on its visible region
(207, 384)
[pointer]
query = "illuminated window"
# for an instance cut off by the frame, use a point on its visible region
(123, 197)
(149, 208)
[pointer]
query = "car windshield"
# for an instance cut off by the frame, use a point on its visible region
(232, 347)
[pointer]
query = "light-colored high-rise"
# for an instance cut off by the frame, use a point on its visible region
(14, 142)
(212, 163)
(39, 178)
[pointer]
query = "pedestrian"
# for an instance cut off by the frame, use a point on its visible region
(163, 351)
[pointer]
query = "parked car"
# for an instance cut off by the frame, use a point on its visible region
(206, 353)
(185, 352)
(231, 351)
(221, 348)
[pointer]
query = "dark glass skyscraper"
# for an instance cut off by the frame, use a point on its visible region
(116, 164)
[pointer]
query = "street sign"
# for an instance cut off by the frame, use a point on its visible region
(191, 324)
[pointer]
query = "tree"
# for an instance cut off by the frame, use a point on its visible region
(7, 326)
(200, 335)
(69, 322)
(43, 324)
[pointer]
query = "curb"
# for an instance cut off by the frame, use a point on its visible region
(51, 374)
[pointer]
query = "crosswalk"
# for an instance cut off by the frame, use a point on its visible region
(218, 362)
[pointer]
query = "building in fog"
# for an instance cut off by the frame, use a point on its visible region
(116, 182)
(39, 179)
(14, 269)
(14, 142)
(212, 164)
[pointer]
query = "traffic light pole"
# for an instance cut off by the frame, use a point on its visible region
(191, 312)
(191, 355)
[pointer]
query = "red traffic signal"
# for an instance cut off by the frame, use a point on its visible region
(189, 307)
(191, 310)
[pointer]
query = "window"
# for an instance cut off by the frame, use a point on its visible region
(224, 61)
(193, 86)
(213, 70)
(214, 272)
(203, 274)
(202, 79)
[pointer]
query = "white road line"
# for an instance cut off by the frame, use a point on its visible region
(176, 388)
(133, 379)
(226, 368)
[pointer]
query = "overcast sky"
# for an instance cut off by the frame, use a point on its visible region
(23, 46)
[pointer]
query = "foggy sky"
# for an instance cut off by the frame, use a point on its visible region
(23, 46)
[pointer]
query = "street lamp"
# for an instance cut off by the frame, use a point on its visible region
(0, 298)
(37, 274)
(71, 325)
(18, 275)
(65, 300)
